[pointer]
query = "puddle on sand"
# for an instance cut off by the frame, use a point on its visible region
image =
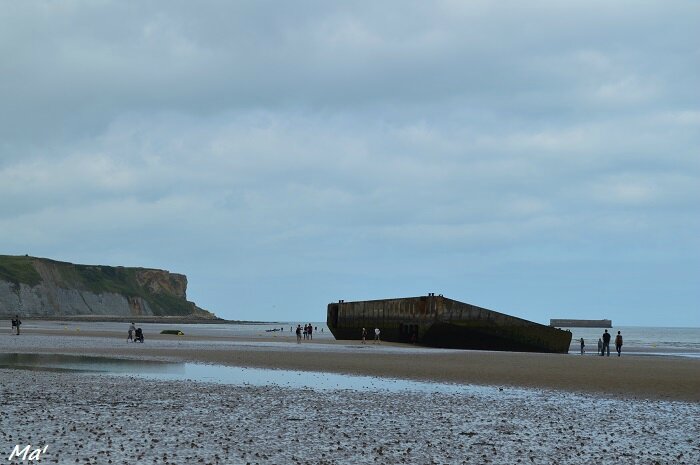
(301, 379)
(81, 363)
(174, 371)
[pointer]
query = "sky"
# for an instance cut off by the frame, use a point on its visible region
(541, 159)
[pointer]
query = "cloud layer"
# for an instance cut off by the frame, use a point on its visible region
(537, 159)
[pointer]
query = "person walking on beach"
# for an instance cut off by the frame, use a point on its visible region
(311, 332)
(298, 334)
(17, 323)
(376, 336)
(132, 328)
(364, 336)
(618, 343)
(583, 344)
(606, 342)
(600, 347)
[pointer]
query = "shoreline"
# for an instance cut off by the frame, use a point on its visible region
(180, 320)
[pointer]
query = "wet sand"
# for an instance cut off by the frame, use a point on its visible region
(92, 419)
(527, 411)
(629, 376)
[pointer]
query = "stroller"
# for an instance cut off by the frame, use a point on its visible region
(138, 337)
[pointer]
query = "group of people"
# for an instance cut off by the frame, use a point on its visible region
(377, 333)
(308, 332)
(15, 325)
(135, 334)
(604, 344)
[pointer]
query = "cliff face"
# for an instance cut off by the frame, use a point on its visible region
(32, 286)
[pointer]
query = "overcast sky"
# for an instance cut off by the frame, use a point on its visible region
(537, 158)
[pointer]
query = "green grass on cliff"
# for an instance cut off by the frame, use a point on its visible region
(99, 279)
(18, 270)
(120, 280)
(93, 278)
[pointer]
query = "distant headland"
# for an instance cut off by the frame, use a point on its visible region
(45, 288)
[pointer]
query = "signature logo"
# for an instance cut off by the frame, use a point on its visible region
(27, 453)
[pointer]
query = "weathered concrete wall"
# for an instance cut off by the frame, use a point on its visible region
(441, 322)
(559, 323)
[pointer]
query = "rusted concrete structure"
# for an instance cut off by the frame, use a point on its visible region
(441, 322)
(559, 323)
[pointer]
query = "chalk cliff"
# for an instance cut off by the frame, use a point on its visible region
(33, 286)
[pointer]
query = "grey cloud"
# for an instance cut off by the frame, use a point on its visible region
(97, 61)
(283, 139)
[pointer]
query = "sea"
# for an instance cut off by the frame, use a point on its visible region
(641, 340)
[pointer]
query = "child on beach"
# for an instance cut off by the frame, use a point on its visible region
(582, 347)
(600, 346)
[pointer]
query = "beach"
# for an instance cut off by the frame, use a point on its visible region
(428, 406)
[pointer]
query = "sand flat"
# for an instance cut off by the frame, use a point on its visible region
(507, 408)
(631, 376)
(97, 419)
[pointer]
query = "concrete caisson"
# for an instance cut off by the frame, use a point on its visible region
(437, 321)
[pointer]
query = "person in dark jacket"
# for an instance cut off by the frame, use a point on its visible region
(606, 342)
(618, 343)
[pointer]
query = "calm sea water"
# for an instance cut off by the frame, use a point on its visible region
(642, 339)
